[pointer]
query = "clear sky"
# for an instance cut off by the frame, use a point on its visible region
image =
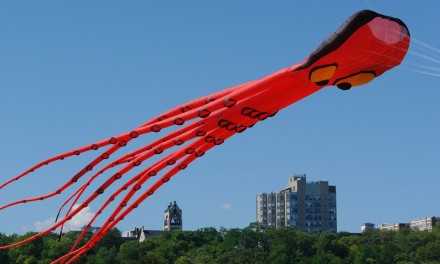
(75, 72)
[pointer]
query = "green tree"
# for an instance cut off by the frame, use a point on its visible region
(112, 239)
(103, 256)
(252, 244)
(367, 253)
(130, 252)
(5, 240)
(429, 253)
(22, 253)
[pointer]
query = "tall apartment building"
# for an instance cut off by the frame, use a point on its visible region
(307, 206)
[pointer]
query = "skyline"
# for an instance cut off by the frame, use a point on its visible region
(76, 73)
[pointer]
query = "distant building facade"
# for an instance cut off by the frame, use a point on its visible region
(172, 221)
(421, 224)
(141, 234)
(427, 223)
(91, 229)
(367, 226)
(172, 217)
(307, 206)
(394, 227)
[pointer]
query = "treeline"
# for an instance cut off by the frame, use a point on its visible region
(248, 245)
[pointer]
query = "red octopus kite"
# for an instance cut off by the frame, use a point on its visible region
(363, 48)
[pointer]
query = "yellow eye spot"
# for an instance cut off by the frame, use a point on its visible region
(356, 79)
(322, 74)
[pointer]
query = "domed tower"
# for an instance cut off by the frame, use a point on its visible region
(172, 217)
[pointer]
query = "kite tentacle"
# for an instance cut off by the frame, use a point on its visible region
(252, 113)
(118, 142)
(254, 116)
(122, 140)
(197, 103)
(155, 125)
(117, 139)
(138, 180)
(113, 221)
(225, 124)
(98, 192)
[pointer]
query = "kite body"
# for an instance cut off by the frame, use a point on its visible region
(363, 48)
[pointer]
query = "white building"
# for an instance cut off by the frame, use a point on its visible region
(426, 223)
(367, 226)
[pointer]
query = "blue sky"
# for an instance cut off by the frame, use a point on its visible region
(75, 72)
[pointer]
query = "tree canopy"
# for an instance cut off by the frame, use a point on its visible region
(252, 244)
